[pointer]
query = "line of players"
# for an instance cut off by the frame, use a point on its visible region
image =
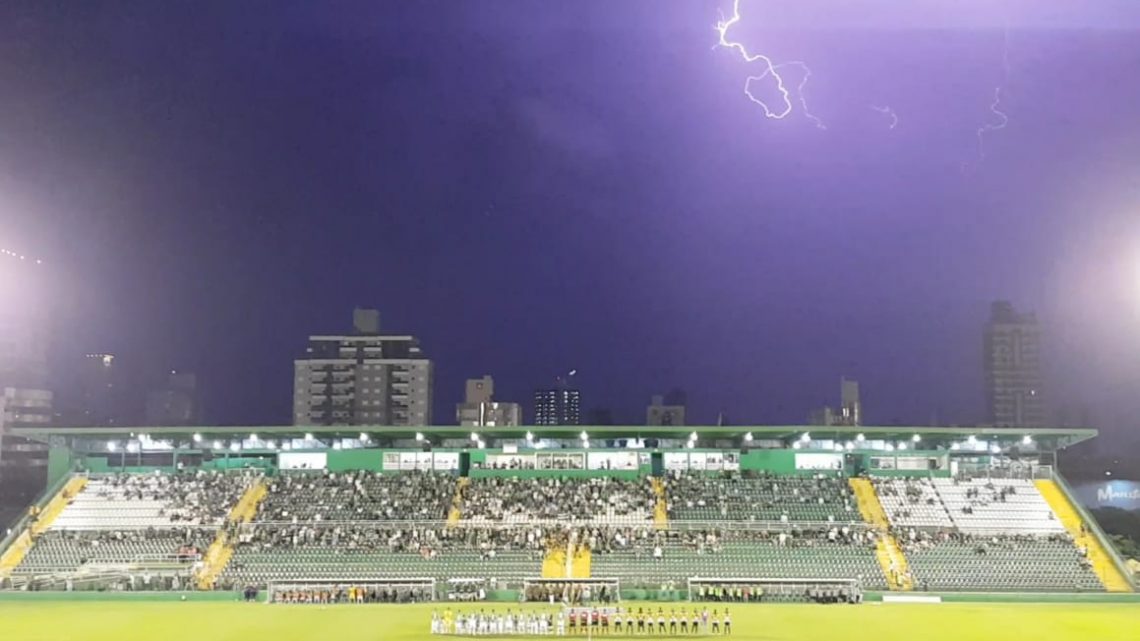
(581, 620)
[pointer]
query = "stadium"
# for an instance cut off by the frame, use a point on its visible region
(794, 532)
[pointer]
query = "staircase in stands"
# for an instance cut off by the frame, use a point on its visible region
(40, 524)
(554, 563)
(661, 507)
(887, 550)
(221, 550)
(1102, 564)
(456, 513)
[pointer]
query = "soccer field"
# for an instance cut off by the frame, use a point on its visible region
(202, 621)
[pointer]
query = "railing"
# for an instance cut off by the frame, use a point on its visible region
(648, 524)
(99, 580)
(177, 525)
(971, 472)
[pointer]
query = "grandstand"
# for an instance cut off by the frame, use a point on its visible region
(967, 511)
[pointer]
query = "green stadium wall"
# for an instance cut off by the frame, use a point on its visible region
(774, 461)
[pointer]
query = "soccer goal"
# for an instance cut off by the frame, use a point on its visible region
(329, 591)
(770, 590)
(594, 590)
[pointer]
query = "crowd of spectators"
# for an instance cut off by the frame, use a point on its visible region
(913, 540)
(358, 496)
(180, 543)
(914, 490)
(562, 499)
(1027, 546)
(202, 497)
(986, 495)
(752, 496)
(429, 542)
(643, 541)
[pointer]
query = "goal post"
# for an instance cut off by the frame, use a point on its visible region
(358, 590)
(775, 590)
(594, 590)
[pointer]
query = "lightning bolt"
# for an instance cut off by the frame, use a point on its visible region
(768, 68)
(886, 110)
(1001, 119)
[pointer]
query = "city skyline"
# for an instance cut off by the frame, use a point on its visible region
(999, 310)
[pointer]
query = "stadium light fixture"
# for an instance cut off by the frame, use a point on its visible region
(586, 444)
(197, 438)
(363, 437)
(584, 436)
(860, 437)
(420, 436)
(691, 444)
(475, 436)
(217, 445)
(693, 436)
(916, 438)
(748, 437)
(1027, 440)
(112, 446)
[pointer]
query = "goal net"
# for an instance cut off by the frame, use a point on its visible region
(328, 591)
(769, 590)
(572, 591)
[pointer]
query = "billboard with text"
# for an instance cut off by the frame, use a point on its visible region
(1120, 494)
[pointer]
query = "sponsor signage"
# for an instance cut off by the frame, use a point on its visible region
(1122, 494)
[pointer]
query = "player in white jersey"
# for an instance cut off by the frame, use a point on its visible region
(435, 622)
(561, 624)
(544, 625)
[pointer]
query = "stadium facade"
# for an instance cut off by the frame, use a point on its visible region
(728, 513)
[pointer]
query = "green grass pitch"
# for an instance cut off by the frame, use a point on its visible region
(212, 621)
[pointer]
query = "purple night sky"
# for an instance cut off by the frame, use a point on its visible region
(532, 187)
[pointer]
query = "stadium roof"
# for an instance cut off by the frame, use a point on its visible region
(1046, 438)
